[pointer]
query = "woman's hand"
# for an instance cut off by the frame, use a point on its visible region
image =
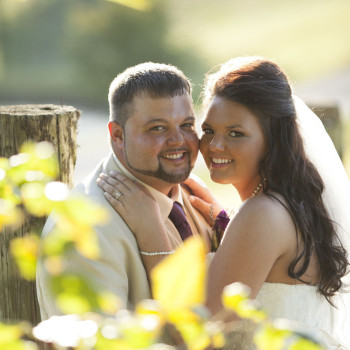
(203, 200)
(136, 205)
(132, 201)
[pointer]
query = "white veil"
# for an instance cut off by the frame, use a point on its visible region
(336, 197)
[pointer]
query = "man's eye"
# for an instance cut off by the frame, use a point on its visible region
(188, 125)
(157, 128)
(236, 133)
(207, 131)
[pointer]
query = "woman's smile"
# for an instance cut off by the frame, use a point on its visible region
(218, 162)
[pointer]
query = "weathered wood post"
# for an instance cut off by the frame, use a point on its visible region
(58, 125)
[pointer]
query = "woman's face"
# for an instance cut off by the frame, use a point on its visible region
(233, 143)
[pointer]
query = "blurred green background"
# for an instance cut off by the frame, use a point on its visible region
(68, 51)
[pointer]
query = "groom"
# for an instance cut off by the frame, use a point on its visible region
(154, 142)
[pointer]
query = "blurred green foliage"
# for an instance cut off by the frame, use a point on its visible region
(69, 50)
(94, 320)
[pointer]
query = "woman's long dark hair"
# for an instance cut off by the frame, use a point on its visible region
(261, 85)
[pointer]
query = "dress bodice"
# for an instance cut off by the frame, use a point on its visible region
(298, 302)
(308, 310)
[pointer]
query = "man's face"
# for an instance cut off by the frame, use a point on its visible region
(160, 142)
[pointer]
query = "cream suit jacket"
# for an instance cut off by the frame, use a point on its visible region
(119, 268)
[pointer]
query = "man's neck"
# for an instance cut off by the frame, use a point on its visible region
(158, 184)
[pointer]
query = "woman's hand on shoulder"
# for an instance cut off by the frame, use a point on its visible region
(132, 201)
(203, 200)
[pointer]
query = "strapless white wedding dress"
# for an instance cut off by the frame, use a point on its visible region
(299, 303)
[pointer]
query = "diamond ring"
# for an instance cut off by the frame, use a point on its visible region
(117, 195)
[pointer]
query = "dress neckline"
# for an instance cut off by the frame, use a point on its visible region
(290, 285)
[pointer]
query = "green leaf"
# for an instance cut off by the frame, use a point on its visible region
(108, 302)
(178, 282)
(10, 338)
(305, 344)
(56, 242)
(129, 331)
(234, 294)
(141, 331)
(9, 333)
(35, 162)
(76, 295)
(269, 337)
(251, 309)
(103, 343)
(149, 307)
(76, 218)
(80, 211)
(25, 251)
(4, 166)
(10, 215)
(34, 199)
(194, 335)
(73, 303)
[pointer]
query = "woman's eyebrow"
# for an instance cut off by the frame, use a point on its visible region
(227, 127)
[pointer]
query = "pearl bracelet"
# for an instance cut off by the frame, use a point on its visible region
(157, 253)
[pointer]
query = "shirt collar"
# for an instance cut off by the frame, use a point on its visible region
(165, 202)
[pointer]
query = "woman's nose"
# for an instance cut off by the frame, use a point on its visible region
(217, 144)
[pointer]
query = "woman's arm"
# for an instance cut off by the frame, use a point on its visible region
(255, 241)
(132, 201)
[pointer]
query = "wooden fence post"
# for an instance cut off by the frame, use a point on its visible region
(18, 124)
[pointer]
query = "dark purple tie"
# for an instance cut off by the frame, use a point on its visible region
(177, 216)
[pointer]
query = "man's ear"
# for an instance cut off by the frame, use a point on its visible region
(116, 133)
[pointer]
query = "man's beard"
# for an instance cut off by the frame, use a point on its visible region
(161, 173)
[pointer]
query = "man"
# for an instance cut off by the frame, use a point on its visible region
(154, 141)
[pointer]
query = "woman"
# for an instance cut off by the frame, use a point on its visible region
(288, 242)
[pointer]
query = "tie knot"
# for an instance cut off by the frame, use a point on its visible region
(177, 216)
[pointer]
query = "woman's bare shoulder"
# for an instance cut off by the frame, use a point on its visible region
(266, 215)
(260, 233)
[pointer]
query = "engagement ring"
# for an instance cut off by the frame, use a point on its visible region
(117, 195)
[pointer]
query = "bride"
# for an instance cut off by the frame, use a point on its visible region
(289, 239)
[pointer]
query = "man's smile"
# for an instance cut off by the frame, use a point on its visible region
(178, 155)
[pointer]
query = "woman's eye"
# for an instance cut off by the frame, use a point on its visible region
(236, 133)
(207, 131)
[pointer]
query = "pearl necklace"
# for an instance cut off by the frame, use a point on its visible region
(258, 188)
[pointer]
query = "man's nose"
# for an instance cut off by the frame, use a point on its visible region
(176, 138)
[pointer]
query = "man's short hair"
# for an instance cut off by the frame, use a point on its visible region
(150, 79)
